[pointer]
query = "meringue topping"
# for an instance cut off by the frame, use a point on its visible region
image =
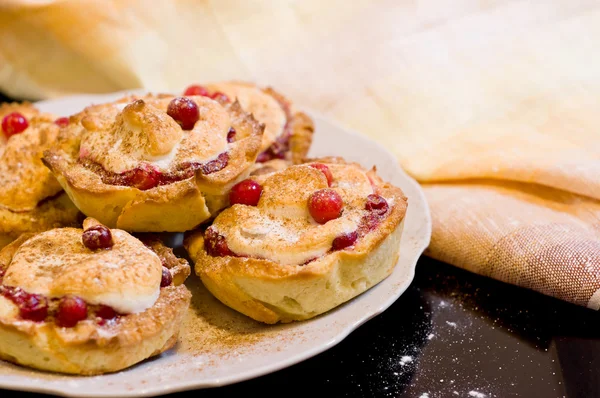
(55, 263)
(280, 227)
(121, 135)
(264, 107)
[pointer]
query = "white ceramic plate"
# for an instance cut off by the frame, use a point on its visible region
(219, 346)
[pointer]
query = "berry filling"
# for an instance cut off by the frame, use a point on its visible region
(281, 146)
(14, 123)
(325, 205)
(377, 210)
(97, 237)
(246, 192)
(146, 176)
(106, 313)
(277, 150)
(219, 96)
(32, 307)
(66, 311)
(196, 90)
(203, 91)
(184, 111)
(231, 135)
(345, 240)
(216, 244)
(325, 170)
(71, 310)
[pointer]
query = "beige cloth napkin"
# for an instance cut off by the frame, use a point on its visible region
(493, 105)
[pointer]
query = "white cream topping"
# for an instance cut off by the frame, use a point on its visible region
(56, 263)
(164, 161)
(294, 245)
(261, 105)
(126, 303)
(280, 227)
(122, 135)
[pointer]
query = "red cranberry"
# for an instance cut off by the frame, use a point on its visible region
(344, 240)
(246, 192)
(97, 237)
(376, 204)
(62, 122)
(215, 244)
(142, 178)
(184, 111)
(231, 135)
(166, 278)
(14, 123)
(219, 96)
(106, 312)
(71, 310)
(325, 170)
(32, 307)
(196, 90)
(325, 205)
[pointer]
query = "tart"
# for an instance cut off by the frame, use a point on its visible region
(288, 133)
(157, 162)
(300, 241)
(89, 301)
(31, 199)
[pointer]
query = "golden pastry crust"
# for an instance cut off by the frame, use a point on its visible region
(92, 347)
(31, 199)
(268, 279)
(112, 139)
(54, 212)
(287, 131)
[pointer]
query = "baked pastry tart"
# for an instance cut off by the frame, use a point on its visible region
(31, 199)
(300, 241)
(89, 301)
(157, 162)
(288, 133)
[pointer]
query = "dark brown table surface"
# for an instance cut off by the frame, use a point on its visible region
(451, 334)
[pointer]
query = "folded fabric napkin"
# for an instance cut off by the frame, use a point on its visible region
(493, 106)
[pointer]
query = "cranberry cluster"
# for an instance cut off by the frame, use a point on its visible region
(377, 209)
(67, 311)
(323, 205)
(70, 310)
